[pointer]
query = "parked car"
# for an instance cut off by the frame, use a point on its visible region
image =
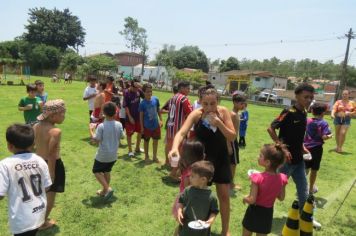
(270, 95)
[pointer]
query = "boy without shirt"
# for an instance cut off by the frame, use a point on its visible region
(47, 142)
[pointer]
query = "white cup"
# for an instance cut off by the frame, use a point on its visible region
(174, 161)
(307, 157)
(30, 106)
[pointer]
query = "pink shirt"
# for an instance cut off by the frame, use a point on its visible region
(185, 174)
(269, 187)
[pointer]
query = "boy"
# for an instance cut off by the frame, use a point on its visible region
(107, 135)
(197, 202)
(30, 105)
(292, 124)
(150, 125)
(99, 100)
(47, 141)
(40, 91)
(25, 179)
(131, 104)
(243, 126)
(317, 131)
(238, 101)
(90, 93)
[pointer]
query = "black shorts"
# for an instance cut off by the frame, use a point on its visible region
(123, 121)
(314, 163)
(28, 233)
(59, 179)
(222, 173)
(235, 157)
(258, 219)
(102, 167)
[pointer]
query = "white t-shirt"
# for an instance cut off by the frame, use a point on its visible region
(87, 92)
(108, 133)
(23, 178)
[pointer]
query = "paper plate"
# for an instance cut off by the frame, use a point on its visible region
(252, 171)
(198, 224)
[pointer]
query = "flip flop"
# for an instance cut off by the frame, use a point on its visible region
(108, 194)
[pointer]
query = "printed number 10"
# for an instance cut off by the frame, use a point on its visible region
(35, 185)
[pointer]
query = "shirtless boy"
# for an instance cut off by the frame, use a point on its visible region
(47, 143)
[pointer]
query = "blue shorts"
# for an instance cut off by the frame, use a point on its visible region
(342, 120)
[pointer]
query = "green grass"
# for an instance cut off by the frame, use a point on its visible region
(143, 198)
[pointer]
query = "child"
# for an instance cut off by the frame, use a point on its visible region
(150, 125)
(197, 202)
(90, 93)
(40, 91)
(131, 104)
(317, 131)
(30, 105)
(238, 101)
(191, 152)
(107, 135)
(47, 141)
(27, 202)
(243, 126)
(265, 188)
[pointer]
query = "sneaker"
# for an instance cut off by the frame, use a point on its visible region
(316, 224)
(131, 154)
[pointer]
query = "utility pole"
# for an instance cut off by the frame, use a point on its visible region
(343, 78)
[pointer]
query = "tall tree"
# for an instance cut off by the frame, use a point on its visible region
(136, 38)
(54, 27)
(230, 64)
(191, 57)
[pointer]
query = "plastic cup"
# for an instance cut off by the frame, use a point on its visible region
(174, 161)
(30, 105)
(307, 157)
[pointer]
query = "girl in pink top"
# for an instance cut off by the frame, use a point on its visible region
(190, 152)
(265, 188)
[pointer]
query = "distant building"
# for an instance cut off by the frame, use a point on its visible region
(151, 73)
(129, 58)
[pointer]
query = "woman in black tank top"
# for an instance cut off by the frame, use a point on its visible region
(214, 128)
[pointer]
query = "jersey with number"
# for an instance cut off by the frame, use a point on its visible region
(179, 109)
(23, 178)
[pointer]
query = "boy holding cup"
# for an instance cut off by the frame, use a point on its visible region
(30, 105)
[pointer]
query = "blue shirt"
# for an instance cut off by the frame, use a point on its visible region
(150, 112)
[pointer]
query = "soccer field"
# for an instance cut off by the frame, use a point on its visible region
(144, 197)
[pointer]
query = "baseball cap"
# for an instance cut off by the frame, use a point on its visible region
(51, 107)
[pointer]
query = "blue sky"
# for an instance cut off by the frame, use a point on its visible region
(243, 29)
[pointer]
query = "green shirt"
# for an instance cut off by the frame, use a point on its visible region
(203, 202)
(31, 115)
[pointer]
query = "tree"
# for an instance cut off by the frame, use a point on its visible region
(136, 38)
(101, 63)
(54, 27)
(191, 57)
(44, 57)
(165, 56)
(70, 61)
(230, 64)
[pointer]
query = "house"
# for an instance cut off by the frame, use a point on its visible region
(151, 73)
(129, 58)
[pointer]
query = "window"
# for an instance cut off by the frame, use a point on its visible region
(213, 77)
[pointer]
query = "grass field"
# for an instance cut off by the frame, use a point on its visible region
(143, 195)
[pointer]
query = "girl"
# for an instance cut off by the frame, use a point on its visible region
(214, 128)
(265, 188)
(191, 152)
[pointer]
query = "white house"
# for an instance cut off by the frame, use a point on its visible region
(151, 73)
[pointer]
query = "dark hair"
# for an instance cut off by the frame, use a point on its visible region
(109, 109)
(132, 83)
(20, 135)
(318, 108)
(110, 77)
(146, 86)
(276, 153)
(238, 98)
(91, 78)
(183, 84)
(303, 87)
(175, 89)
(102, 84)
(31, 87)
(191, 152)
(202, 89)
(203, 169)
(38, 82)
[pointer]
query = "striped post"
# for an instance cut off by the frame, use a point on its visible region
(291, 228)
(306, 218)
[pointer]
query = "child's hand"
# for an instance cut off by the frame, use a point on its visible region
(180, 217)
(29, 107)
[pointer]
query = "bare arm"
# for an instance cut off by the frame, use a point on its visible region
(224, 123)
(89, 97)
(141, 121)
(272, 133)
(282, 194)
(53, 149)
(180, 213)
(211, 219)
(251, 199)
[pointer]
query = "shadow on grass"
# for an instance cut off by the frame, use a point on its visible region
(340, 153)
(142, 163)
(99, 202)
(163, 169)
(49, 232)
(169, 181)
(278, 224)
(320, 202)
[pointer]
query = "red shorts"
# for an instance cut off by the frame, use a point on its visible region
(132, 128)
(149, 133)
